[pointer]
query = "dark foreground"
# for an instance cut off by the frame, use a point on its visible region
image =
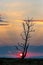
(13, 61)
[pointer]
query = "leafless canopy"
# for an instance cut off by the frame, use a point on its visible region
(27, 28)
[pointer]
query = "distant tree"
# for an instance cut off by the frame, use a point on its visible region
(27, 27)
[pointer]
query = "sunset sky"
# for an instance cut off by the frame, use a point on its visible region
(14, 11)
(19, 9)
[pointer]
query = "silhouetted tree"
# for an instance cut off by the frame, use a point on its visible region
(27, 27)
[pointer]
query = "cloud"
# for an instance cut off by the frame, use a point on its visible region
(16, 9)
(4, 24)
(15, 4)
(9, 36)
(29, 8)
(37, 36)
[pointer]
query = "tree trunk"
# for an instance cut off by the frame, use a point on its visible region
(23, 55)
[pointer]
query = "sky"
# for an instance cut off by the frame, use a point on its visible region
(13, 13)
(17, 9)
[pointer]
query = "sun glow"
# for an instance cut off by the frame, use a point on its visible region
(21, 54)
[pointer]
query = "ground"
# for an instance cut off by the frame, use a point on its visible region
(15, 61)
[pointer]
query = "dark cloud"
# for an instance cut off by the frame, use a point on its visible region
(2, 21)
(4, 24)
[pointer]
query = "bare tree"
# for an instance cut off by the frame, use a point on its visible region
(27, 27)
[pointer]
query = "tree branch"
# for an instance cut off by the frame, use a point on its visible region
(24, 29)
(22, 37)
(20, 45)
